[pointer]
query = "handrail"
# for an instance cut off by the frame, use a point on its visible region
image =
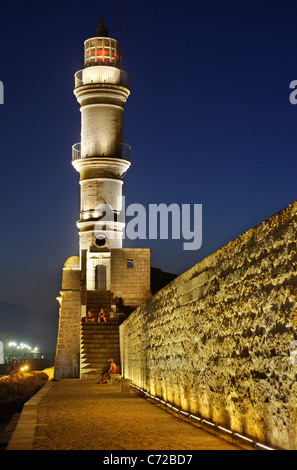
(102, 74)
(123, 151)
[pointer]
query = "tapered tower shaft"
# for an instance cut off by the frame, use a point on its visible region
(101, 158)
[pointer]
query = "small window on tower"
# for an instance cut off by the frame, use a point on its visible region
(130, 263)
(100, 240)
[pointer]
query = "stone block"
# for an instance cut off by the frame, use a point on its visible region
(115, 379)
(125, 386)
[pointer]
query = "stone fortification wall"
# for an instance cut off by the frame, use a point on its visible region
(68, 341)
(218, 341)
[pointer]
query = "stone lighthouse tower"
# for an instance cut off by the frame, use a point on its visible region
(101, 158)
(104, 274)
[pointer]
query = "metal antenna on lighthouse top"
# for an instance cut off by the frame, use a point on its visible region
(121, 36)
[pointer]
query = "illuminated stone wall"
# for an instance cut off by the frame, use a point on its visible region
(68, 341)
(218, 340)
(130, 275)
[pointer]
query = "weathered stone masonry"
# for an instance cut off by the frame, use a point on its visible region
(217, 340)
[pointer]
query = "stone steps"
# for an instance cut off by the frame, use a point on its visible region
(97, 300)
(98, 342)
(100, 350)
(104, 349)
(100, 357)
(98, 327)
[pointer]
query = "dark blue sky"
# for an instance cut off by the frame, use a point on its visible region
(209, 121)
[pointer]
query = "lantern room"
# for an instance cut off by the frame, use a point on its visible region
(101, 51)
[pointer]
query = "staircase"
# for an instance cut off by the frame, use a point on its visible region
(99, 299)
(98, 340)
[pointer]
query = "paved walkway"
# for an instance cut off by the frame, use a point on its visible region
(75, 414)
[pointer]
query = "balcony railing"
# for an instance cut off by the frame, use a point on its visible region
(101, 74)
(123, 151)
(76, 151)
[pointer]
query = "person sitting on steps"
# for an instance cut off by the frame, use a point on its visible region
(90, 317)
(107, 371)
(101, 316)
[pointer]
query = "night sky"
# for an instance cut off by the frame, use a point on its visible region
(209, 121)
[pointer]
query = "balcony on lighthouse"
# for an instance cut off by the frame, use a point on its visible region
(123, 151)
(101, 88)
(101, 63)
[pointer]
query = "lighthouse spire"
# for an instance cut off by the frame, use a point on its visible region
(101, 31)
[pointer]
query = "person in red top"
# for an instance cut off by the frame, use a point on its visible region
(109, 369)
(101, 316)
(90, 317)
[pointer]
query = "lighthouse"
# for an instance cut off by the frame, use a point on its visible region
(101, 158)
(104, 274)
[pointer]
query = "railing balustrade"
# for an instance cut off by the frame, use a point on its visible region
(123, 151)
(101, 74)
